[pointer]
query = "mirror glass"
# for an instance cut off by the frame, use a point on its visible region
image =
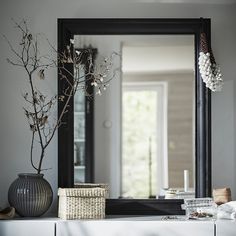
(79, 130)
(145, 121)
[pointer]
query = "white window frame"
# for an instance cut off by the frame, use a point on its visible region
(162, 133)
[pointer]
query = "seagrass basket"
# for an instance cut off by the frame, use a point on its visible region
(86, 202)
(93, 185)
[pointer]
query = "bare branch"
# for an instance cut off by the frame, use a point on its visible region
(31, 151)
(39, 112)
(11, 47)
(14, 63)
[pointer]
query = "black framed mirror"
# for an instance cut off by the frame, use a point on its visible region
(68, 29)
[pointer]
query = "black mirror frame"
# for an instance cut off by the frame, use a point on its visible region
(67, 28)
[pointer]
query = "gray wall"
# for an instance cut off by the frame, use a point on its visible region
(14, 140)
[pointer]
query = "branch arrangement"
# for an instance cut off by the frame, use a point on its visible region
(39, 108)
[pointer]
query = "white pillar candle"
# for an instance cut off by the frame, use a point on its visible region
(186, 180)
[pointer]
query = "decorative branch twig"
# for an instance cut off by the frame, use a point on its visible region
(39, 108)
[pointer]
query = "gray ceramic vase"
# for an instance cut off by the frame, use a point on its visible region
(30, 194)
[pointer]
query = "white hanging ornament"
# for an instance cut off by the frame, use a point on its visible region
(209, 70)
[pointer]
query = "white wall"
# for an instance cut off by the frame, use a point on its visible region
(223, 164)
(14, 140)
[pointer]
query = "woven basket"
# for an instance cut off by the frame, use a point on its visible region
(81, 203)
(92, 185)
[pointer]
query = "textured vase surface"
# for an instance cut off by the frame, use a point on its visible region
(30, 194)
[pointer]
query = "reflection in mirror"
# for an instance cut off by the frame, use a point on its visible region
(145, 121)
(79, 131)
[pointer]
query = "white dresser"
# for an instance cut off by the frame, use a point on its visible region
(225, 228)
(143, 226)
(116, 226)
(28, 227)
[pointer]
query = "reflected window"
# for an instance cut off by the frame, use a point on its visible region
(144, 139)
